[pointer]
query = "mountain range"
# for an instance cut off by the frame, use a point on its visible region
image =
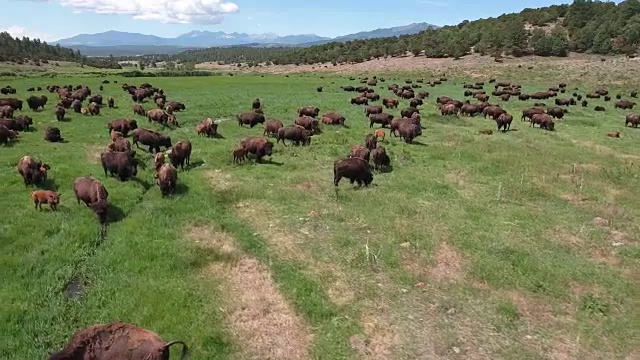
(125, 43)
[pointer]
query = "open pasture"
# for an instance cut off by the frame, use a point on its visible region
(516, 245)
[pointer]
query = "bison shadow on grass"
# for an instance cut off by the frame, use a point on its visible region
(115, 214)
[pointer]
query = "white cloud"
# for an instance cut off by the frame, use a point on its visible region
(19, 32)
(166, 11)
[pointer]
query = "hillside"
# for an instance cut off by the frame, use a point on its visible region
(119, 43)
(584, 26)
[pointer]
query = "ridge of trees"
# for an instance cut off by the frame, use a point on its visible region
(585, 26)
(38, 52)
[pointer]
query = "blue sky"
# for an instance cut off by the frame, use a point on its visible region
(56, 19)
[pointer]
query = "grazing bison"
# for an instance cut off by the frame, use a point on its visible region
(167, 178)
(355, 169)
(361, 152)
(180, 154)
(159, 116)
(633, 119)
(96, 99)
(207, 127)
(250, 118)
(121, 163)
(24, 121)
(114, 135)
(615, 134)
(504, 122)
(258, 146)
(409, 131)
(308, 111)
(158, 161)
(122, 125)
(319, 89)
(599, 108)
(449, 109)
(6, 135)
(408, 112)
(76, 105)
(150, 138)
(176, 106)
(239, 154)
(139, 110)
(493, 111)
(94, 109)
(116, 341)
(585, 103)
(470, 109)
(60, 113)
(271, 127)
(380, 158)
(91, 191)
(380, 134)
(383, 119)
(256, 104)
(48, 197)
(33, 171)
(543, 120)
(294, 133)
(14, 103)
(36, 102)
(121, 145)
(52, 134)
(308, 123)
(12, 124)
(528, 113)
(390, 103)
(373, 109)
(360, 100)
(370, 141)
(6, 111)
(111, 103)
(556, 112)
(624, 104)
(634, 94)
(332, 118)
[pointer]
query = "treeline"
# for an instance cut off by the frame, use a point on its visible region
(584, 26)
(39, 52)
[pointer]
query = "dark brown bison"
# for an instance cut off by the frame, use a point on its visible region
(408, 112)
(528, 113)
(373, 109)
(599, 108)
(493, 111)
(91, 191)
(207, 127)
(159, 116)
(423, 95)
(634, 94)
(24, 121)
(250, 118)
(111, 103)
(504, 122)
(94, 109)
(14, 103)
(633, 119)
(449, 109)
(359, 100)
(52, 134)
(355, 169)
(470, 109)
(308, 111)
(564, 102)
(11, 124)
(97, 98)
(556, 112)
(48, 197)
(116, 341)
(122, 125)
(239, 154)
(543, 120)
(36, 102)
(409, 131)
(380, 158)
(256, 104)
(258, 146)
(176, 106)
(593, 96)
(33, 171)
(271, 127)
(308, 123)
(167, 179)
(585, 103)
(370, 141)
(122, 164)
(607, 98)
(65, 102)
(360, 152)
(390, 103)
(150, 138)
(624, 104)
(319, 89)
(332, 118)
(160, 103)
(481, 97)
(76, 105)
(6, 135)
(180, 154)
(383, 119)
(6, 111)
(372, 96)
(443, 99)
(294, 133)
(60, 113)
(139, 110)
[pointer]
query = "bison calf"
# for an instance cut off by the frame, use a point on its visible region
(49, 197)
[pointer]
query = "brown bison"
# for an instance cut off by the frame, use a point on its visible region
(150, 138)
(294, 133)
(122, 125)
(122, 164)
(256, 104)
(159, 116)
(380, 158)
(60, 113)
(493, 111)
(36, 103)
(250, 118)
(111, 103)
(239, 154)
(207, 127)
(624, 104)
(360, 152)
(160, 103)
(180, 154)
(409, 131)
(390, 103)
(543, 120)
(6, 111)
(373, 109)
(383, 119)
(91, 191)
(408, 112)
(615, 134)
(76, 105)
(308, 123)
(599, 108)
(167, 179)
(504, 122)
(449, 109)
(528, 113)
(115, 135)
(470, 109)
(258, 146)
(271, 127)
(556, 112)
(355, 169)
(139, 110)
(176, 106)
(52, 134)
(33, 171)
(6, 135)
(94, 109)
(380, 134)
(116, 341)
(359, 100)
(308, 111)
(158, 161)
(14, 103)
(633, 119)
(24, 122)
(332, 118)
(370, 141)
(47, 197)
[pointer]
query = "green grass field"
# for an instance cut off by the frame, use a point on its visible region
(522, 245)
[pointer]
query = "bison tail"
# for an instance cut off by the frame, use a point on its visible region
(185, 348)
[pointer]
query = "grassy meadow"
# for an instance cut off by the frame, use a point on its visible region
(518, 245)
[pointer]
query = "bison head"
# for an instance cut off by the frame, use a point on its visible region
(101, 209)
(165, 141)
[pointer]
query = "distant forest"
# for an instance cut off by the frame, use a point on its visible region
(38, 52)
(584, 26)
